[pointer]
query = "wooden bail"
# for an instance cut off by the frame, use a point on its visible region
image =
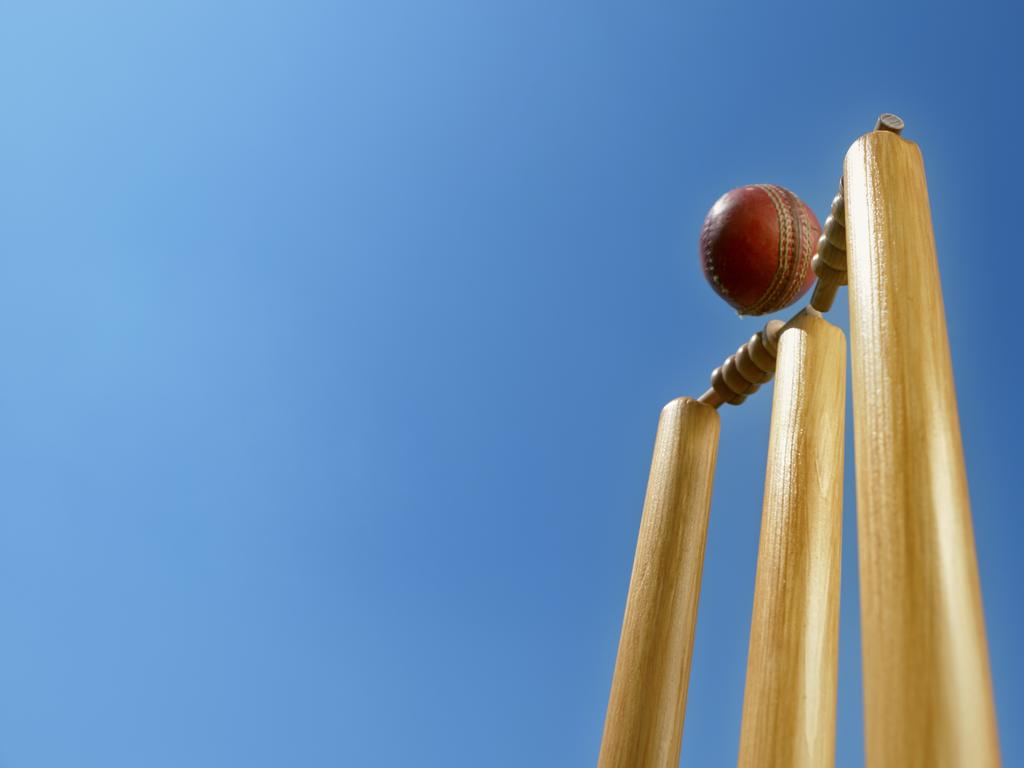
(830, 262)
(743, 373)
(789, 705)
(644, 724)
(927, 687)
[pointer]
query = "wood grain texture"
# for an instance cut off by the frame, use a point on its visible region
(789, 707)
(927, 688)
(644, 723)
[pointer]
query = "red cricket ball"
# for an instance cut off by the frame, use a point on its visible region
(756, 247)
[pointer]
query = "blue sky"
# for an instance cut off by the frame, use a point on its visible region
(335, 337)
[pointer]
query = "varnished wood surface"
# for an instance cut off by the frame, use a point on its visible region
(927, 689)
(789, 704)
(643, 726)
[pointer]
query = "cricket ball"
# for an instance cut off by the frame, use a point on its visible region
(756, 247)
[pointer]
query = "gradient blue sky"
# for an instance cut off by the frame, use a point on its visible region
(334, 341)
